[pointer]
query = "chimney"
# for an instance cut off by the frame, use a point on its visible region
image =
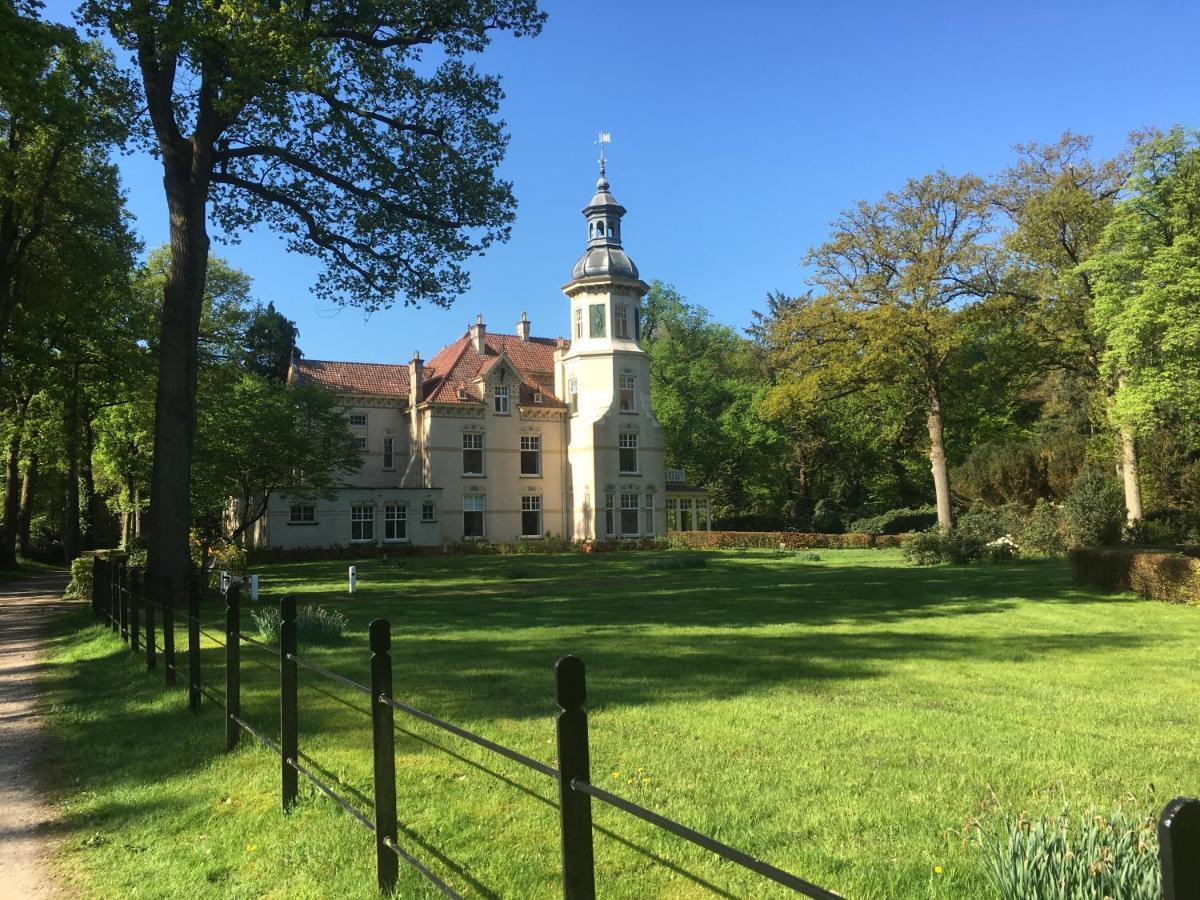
(478, 333)
(523, 328)
(416, 379)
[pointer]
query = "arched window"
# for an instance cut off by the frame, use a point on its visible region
(610, 229)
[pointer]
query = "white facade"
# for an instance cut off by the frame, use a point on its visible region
(501, 437)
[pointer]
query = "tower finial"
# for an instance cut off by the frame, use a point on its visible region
(604, 137)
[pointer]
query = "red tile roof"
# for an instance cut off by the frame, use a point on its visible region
(455, 366)
(373, 379)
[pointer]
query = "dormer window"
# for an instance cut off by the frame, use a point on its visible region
(462, 393)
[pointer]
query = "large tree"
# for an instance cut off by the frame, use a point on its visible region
(894, 307)
(325, 122)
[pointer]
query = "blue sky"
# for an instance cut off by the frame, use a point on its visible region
(739, 131)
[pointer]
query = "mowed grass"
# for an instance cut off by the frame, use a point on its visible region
(847, 719)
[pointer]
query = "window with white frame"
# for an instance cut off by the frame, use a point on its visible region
(648, 514)
(360, 443)
(531, 454)
(629, 515)
(686, 522)
(531, 515)
(627, 453)
(627, 393)
(473, 516)
(672, 514)
(702, 514)
(473, 453)
(395, 522)
(302, 514)
(610, 526)
(572, 395)
(362, 522)
(428, 511)
(389, 457)
(579, 323)
(358, 420)
(620, 320)
(500, 399)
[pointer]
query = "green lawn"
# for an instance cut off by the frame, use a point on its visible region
(847, 720)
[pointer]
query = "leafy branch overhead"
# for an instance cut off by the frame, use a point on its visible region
(343, 128)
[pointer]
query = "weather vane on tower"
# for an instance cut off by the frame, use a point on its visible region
(604, 137)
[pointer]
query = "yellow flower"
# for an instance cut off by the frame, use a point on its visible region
(250, 848)
(616, 774)
(937, 870)
(645, 781)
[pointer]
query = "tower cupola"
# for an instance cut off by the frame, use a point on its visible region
(604, 255)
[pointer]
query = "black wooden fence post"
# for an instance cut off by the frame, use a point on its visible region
(148, 606)
(383, 743)
(95, 598)
(113, 597)
(1179, 849)
(289, 731)
(123, 598)
(575, 808)
(134, 596)
(233, 689)
(194, 645)
(168, 637)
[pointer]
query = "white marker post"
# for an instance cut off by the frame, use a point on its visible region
(254, 588)
(224, 581)
(353, 578)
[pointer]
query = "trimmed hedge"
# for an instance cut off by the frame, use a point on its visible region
(1151, 574)
(773, 540)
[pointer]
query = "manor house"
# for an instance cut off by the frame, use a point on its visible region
(506, 437)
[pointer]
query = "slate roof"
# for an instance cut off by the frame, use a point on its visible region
(455, 366)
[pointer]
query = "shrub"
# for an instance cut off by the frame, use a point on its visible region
(896, 521)
(1094, 856)
(990, 523)
(80, 587)
(314, 624)
(827, 517)
(1094, 510)
(958, 546)
(769, 540)
(925, 548)
(1169, 577)
(230, 558)
(1044, 532)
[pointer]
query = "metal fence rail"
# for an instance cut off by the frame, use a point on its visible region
(117, 599)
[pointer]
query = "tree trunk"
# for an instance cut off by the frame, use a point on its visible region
(28, 492)
(937, 460)
(1131, 476)
(71, 439)
(89, 501)
(169, 515)
(12, 488)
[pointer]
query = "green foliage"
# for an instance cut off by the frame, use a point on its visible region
(1044, 531)
(896, 521)
(314, 624)
(1094, 510)
(80, 587)
(1089, 858)
(270, 343)
(991, 523)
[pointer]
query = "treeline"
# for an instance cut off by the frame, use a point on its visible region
(964, 342)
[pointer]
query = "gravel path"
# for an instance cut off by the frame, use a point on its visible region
(27, 823)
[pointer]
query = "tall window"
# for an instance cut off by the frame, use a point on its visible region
(609, 512)
(473, 516)
(579, 323)
(395, 522)
(596, 320)
(360, 443)
(627, 393)
(648, 514)
(389, 461)
(627, 453)
(531, 454)
(573, 395)
(637, 324)
(302, 514)
(362, 522)
(621, 321)
(686, 522)
(358, 420)
(702, 514)
(672, 514)
(473, 453)
(500, 398)
(428, 511)
(629, 514)
(531, 515)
